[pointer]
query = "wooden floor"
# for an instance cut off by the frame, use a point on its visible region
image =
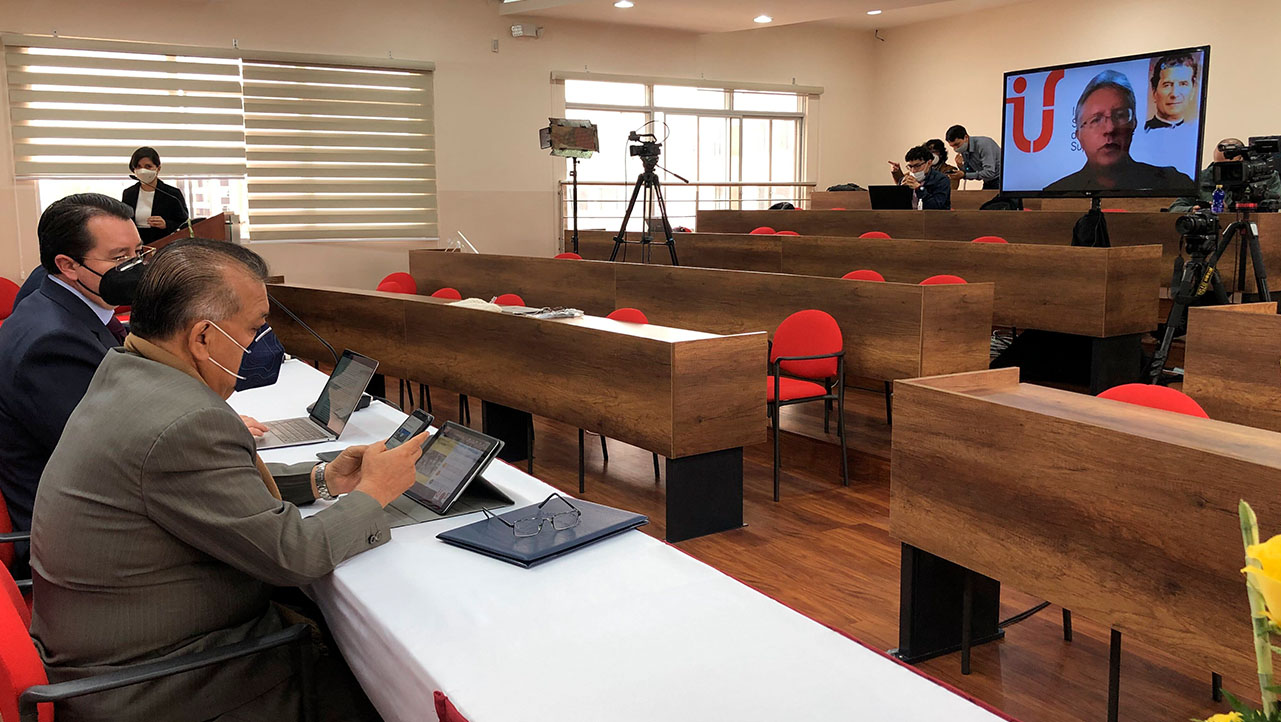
(825, 550)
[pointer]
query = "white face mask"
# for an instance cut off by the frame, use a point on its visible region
(146, 176)
(918, 174)
(935, 157)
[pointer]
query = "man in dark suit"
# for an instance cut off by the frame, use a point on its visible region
(52, 344)
(31, 285)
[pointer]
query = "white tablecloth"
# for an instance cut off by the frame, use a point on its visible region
(628, 629)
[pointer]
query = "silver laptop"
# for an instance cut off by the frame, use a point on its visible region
(330, 413)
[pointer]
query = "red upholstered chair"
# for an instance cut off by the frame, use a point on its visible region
(1115, 210)
(447, 292)
(762, 231)
(569, 255)
(874, 234)
(864, 274)
(786, 233)
(627, 315)
(509, 299)
(835, 209)
(1155, 397)
(942, 279)
(989, 239)
(445, 710)
(404, 282)
(8, 537)
(806, 361)
(25, 693)
(401, 282)
(8, 292)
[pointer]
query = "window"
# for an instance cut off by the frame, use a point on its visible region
(749, 138)
(303, 150)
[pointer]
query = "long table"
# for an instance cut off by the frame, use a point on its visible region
(971, 200)
(696, 398)
(628, 630)
(1045, 227)
(1232, 363)
(1123, 514)
(1098, 292)
(891, 330)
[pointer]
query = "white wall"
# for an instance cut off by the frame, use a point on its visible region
(929, 76)
(494, 182)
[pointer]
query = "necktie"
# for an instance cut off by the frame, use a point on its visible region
(117, 329)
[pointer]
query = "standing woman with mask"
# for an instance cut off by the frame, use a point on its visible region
(159, 208)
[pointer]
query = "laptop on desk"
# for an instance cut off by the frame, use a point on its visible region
(329, 415)
(892, 198)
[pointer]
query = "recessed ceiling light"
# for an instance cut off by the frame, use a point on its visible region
(763, 18)
(873, 12)
(624, 4)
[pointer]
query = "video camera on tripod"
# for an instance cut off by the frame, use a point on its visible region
(648, 190)
(1249, 175)
(646, 150)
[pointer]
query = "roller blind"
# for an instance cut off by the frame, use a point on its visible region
(80, 108)
(338, 152)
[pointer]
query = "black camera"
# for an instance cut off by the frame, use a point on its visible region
(1199, 229)
(1250, 173)
(646, 149)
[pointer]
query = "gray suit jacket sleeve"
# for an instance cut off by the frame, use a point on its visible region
(199, 483)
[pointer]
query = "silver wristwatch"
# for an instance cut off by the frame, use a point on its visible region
(321, 486)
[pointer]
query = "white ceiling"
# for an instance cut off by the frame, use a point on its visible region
(719, 16)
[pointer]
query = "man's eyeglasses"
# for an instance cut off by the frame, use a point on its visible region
(144, 253)
(531, 526)
(1121, 117)
(919, 165)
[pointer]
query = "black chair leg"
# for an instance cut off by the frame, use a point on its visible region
(889, 402)
(827, 408)
(424, 395)
(1067, 625)
(774, 424)
(840, 431)
(967, 620)
(604, 449)
(402, 393)
(582, 483)
(1216, 686)
(657, 476)
(529, 439)
(1114, 677)
(464, 410)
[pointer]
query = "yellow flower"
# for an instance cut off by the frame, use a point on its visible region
(1267, 576)
(1229, 717)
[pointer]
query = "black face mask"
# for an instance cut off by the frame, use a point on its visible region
(119, 285)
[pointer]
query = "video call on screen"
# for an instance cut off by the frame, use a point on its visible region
(1147, 138)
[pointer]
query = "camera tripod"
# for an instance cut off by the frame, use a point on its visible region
(650, 191)
(1200, 274)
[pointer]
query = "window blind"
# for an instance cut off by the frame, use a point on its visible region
(338, 152)
(80, 108)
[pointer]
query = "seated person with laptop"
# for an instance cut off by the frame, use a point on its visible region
(923, 187)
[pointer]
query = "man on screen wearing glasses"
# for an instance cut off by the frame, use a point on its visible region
(1105, 124)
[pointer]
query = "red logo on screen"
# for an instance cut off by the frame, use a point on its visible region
(1047, 113)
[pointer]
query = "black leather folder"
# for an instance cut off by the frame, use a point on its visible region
(495, 539)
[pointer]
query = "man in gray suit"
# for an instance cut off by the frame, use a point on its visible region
(162, 536)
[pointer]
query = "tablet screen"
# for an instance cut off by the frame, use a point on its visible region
(451, 459)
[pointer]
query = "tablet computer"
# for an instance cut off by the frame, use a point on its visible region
(452, 458)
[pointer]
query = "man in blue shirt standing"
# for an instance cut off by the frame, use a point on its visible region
(978, 158)
(933, 191)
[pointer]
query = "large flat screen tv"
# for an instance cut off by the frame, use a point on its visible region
(1120, 127)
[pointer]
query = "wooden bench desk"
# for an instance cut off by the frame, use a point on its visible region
(694, 397)
(1123, 514)
(892, 330)
(971, 200)
(1232, 363)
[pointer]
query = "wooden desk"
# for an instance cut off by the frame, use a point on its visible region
(1044, 227)
(1232, 363)
(1097, 292)
(214, 228)
(892, 330)
(861, 200)
(693, 397)
(1123, 514)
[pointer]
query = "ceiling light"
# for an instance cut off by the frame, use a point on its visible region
(763, 18)
(624, 4)
(873, 12)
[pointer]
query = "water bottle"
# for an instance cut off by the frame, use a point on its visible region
(1216, 199)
